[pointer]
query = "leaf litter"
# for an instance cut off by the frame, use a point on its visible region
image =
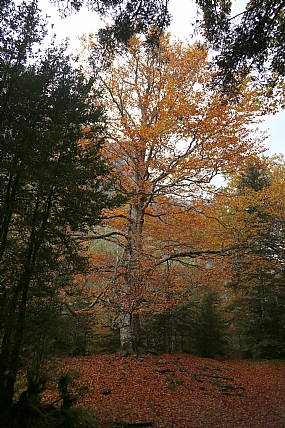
(177, 391)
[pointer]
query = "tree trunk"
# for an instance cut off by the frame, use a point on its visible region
(11, 351)
(13, 336)
(135, 327)
(129, 325)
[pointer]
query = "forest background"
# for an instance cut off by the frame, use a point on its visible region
(112, 233)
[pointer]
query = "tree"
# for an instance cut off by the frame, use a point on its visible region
(209, 326)
(252, 41)
(255, 219)
(128, 18)
(169, 135)
(53, 182)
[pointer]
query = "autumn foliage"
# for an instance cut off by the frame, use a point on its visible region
(180, 391)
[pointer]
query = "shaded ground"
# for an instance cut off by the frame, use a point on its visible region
(182, 391)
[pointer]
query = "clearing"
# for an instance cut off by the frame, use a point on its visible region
(181, 391)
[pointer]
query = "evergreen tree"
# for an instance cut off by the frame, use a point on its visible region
(53, 179)
(253, 41)
(209, 326)
(259, 270)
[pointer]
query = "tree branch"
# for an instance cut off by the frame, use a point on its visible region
(197, 253)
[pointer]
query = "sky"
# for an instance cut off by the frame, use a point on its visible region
(184, 14)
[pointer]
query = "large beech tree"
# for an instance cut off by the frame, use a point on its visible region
(169, 135)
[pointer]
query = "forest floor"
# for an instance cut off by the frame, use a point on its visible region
(177, 391)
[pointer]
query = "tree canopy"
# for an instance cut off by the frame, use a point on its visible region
(128, 18)
(251, 42)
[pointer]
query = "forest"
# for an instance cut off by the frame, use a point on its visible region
(141, 221)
